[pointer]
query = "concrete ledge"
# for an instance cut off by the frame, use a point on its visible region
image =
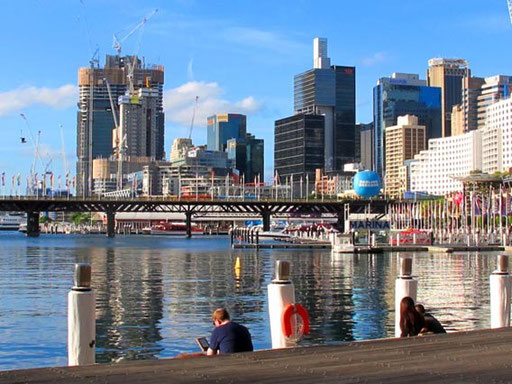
(475, 356)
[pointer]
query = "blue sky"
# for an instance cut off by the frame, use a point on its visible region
(238, 56)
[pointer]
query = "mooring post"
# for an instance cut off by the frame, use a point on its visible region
(500, 288)
(32, 224)
(81, 318)
(111, 223)
(281, 293)
(405, 285)
(188, 222)
(266, 220)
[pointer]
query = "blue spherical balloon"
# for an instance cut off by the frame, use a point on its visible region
(367, 184)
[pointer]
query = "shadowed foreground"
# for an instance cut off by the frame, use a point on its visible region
(466, 357)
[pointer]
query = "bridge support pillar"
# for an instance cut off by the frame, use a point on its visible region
(32, 224)
(111, 223)
(340, 224)
(266, 220)
(188, 223)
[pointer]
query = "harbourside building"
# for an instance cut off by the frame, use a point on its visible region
(449, 75)
(398, 95)
(497, 137)
(435, 171)
(494, 89)
(403, 142)
(95, 122)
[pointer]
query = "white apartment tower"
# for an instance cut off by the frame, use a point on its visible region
(435, 170)
(497, 137)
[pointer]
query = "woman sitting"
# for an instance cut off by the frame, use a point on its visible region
(411, 321)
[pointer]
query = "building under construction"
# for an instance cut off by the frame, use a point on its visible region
(101, 90)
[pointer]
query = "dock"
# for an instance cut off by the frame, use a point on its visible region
(482, 356)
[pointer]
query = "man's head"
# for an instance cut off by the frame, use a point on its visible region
(220, 316)
(420, 308)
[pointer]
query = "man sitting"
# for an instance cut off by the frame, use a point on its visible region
(228, 336)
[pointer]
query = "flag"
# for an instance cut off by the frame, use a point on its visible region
(19, 179)
(59, 181)
(3, 179)
(51, 180)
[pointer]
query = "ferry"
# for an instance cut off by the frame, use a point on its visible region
(171, 228)
(11, 221)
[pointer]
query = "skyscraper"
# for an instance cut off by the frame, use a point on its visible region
(449, 75)
(398, 95)
(329, 91)
(224, 126)
(95, 122)
(494, 89)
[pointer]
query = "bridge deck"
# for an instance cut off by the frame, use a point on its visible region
(466, 357)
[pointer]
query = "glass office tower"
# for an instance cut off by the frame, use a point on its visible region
(225, 126)
(399, 95)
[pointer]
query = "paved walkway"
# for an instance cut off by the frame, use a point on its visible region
(466, 357)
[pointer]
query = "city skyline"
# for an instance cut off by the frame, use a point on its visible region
(234, 61)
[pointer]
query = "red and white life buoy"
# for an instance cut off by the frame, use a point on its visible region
(290, 310)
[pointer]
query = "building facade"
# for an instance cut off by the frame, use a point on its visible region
(367, 143)
(398, 95)
(449, 75)
(435, 170)
(299, 149)
(224, 126)
(497, 137)
(494, 89)
(329, 90)
(403, 142)
(95, 122)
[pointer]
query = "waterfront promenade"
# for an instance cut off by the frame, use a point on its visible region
(467, 357)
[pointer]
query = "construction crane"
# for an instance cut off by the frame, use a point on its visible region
(63, 150)
(509, 3)
(117, 42)
(35, 145)
(120, 145)
(193, 118)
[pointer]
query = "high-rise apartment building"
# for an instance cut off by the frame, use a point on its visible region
(95, 122)
(403, 142)
(398, 95)
(329, 90)
(224, 126)
(449, 75)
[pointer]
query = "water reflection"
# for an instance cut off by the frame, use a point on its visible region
(155, 295)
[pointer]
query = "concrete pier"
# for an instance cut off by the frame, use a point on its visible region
(32, 224)
(465, 357)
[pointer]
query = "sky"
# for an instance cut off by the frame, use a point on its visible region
(238, 56)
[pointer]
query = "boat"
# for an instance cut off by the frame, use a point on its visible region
(342, 243)
(11, 221)
(171, 228)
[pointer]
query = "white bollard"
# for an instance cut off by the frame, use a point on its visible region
(281, 293)
(81, 318)
(500, 285)
(405, 285)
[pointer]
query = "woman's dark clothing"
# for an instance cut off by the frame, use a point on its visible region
(433, 325)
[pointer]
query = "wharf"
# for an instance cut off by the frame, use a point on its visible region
(283, 246)
(482, 356)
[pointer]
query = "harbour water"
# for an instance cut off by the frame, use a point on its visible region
(156, 294)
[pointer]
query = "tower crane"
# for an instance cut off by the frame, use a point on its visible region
(193, 118)
(117, 42)
(35, 145)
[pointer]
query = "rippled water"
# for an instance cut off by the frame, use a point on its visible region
(156, 294)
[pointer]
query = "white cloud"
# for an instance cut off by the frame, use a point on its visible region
(376, 58)
(179, 103)
(23, 97)
(262, 39)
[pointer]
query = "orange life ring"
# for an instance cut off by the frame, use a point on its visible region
(287, 315)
